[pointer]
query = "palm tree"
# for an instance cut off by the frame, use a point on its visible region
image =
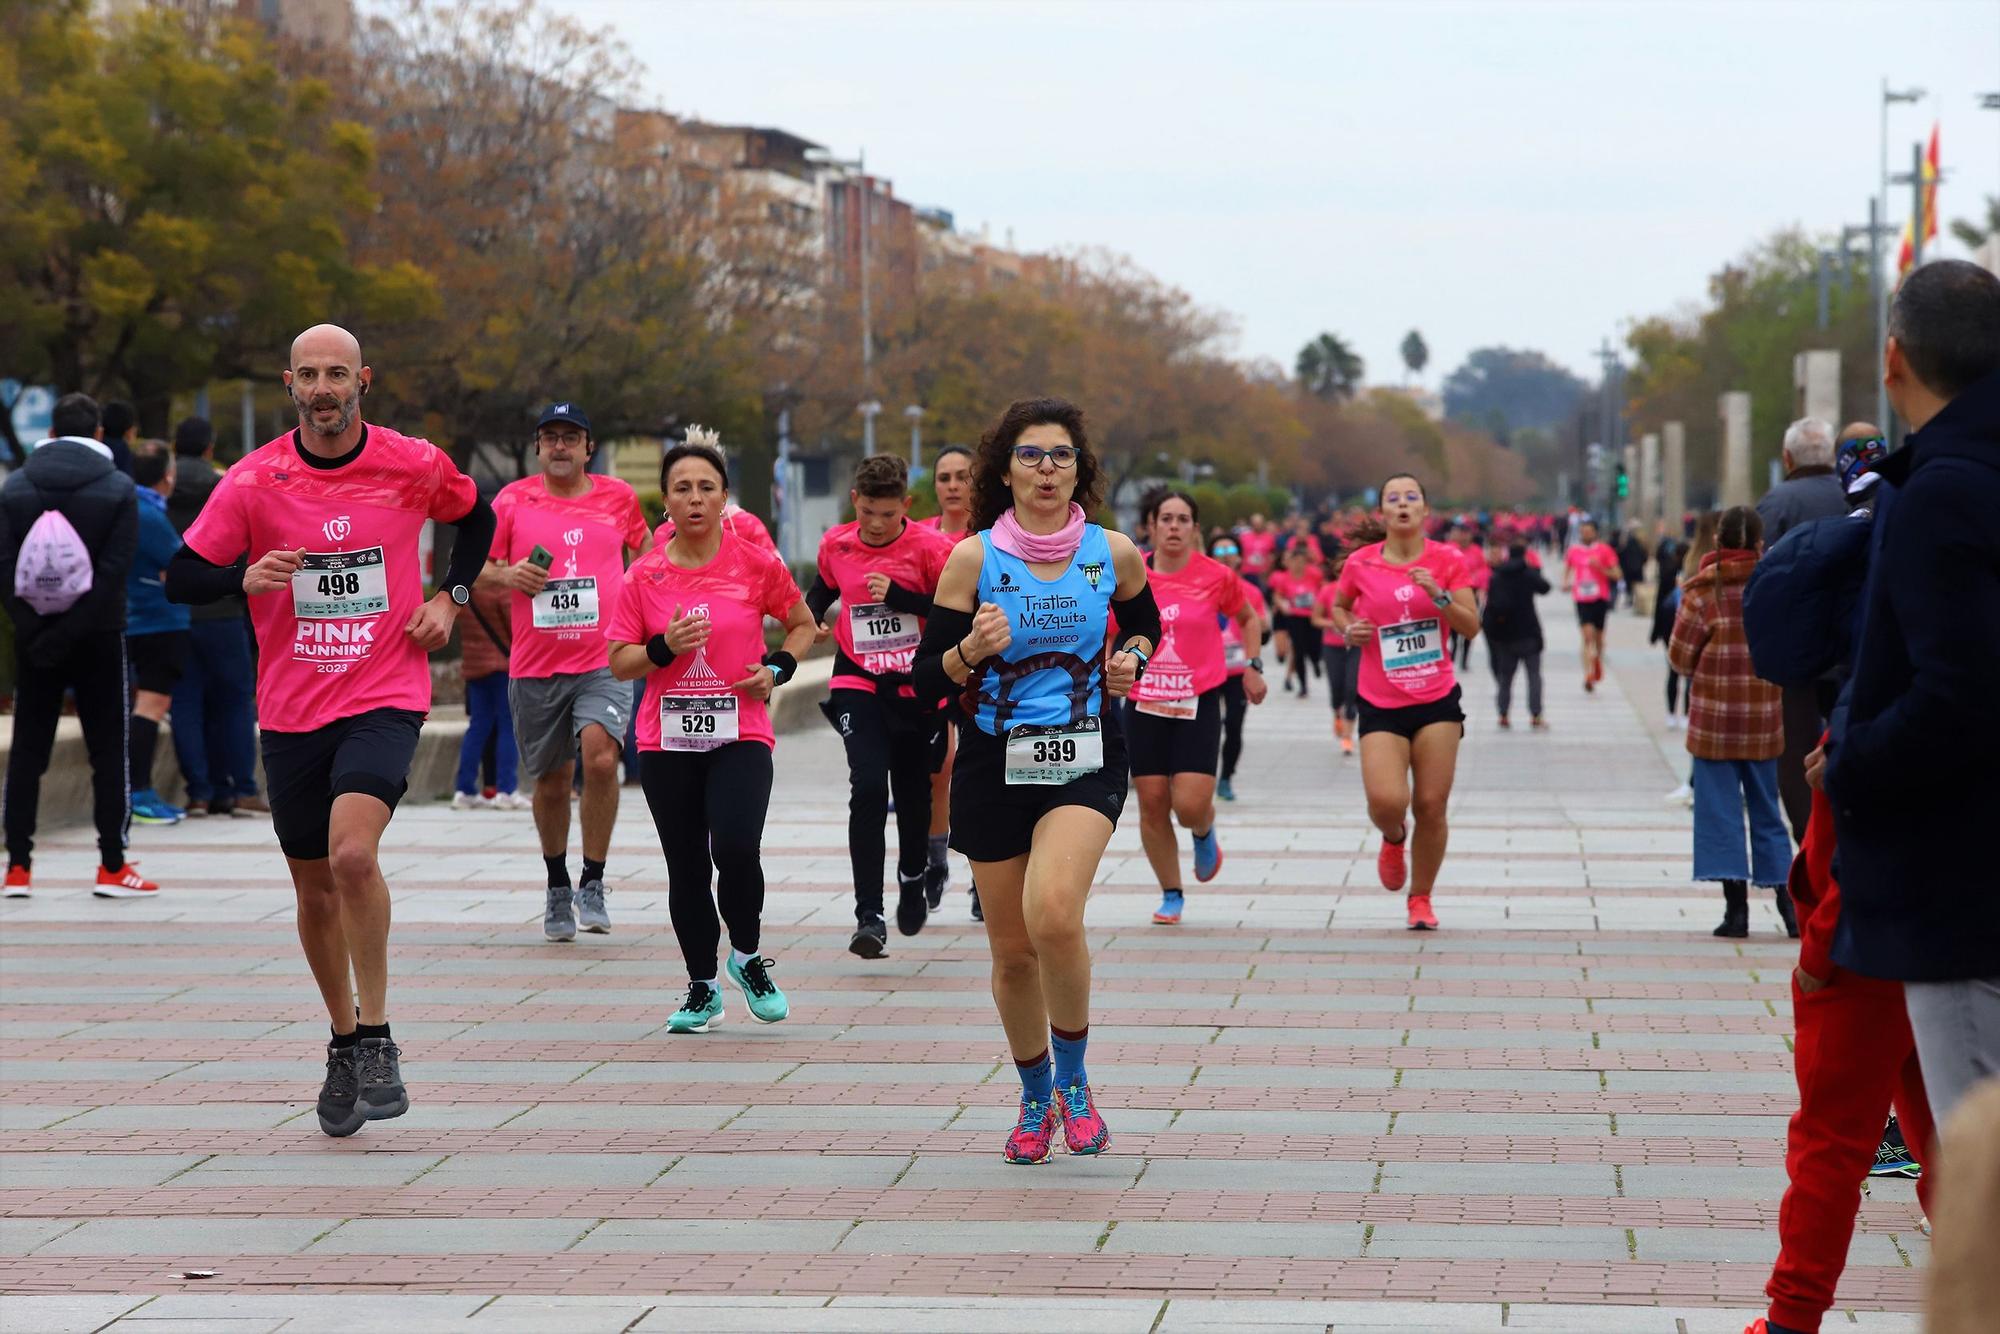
(1416, 353)
(1328, 368)
(1974, 234)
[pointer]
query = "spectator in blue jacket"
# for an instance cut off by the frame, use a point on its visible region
(156, 630)
(1910, 763)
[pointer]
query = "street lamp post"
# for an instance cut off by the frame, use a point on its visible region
(869, 409)
(916, 417)
(1877, 273)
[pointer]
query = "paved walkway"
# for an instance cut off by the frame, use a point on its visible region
(1564, 1111)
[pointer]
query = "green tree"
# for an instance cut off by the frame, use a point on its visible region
(1416, 352)
(1500, 389)
(176, 207)
(1329, 369)
(1975, 234)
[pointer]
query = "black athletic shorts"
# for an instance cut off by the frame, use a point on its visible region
(992, 821)
(304, 771)
(1411, 719)
(1593, 613)
(158, 660)
(1161, 747)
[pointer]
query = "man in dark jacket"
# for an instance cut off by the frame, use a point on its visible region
(1810, 491)
(214, 713)
(1909, 768)
(79, 649)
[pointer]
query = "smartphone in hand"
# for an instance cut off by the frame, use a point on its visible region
(541, 557)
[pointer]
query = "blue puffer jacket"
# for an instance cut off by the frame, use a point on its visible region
(147, 610)
(1802, 601)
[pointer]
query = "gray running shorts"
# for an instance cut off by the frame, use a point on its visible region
(550, 713)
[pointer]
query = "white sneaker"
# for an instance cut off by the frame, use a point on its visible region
(469, 801)
(513, 801)
(1681, 796)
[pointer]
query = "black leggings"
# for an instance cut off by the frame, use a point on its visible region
(888, 748)
(1343, 673)
(1674, 680)
(710, 804)
(1234, 705)
(94, 669)
(1306, 640)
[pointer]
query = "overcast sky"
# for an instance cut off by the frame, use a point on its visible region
(1530, 174)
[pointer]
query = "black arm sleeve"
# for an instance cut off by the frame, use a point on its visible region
(907, 599)
(474, 544)
(819, 597)
(194, 580)
(1138, 617)
(943, 632)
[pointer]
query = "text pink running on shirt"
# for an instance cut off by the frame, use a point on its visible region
(333, 644)
(560, 631)
(1189, 659)
(1420, 671)
(913, 560)
(736, 590)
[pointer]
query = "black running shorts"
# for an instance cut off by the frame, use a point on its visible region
(1411, 719)
(1593, 613)
(1161, 747)
(304, 771)
(992, 821)
(158, 660)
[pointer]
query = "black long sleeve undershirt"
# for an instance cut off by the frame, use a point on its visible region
(473, 544)
(1138, 617)
(819, 597)
(194, 580)
(943, 632)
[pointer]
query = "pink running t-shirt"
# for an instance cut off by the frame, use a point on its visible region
(736, 521)
(936, 521)
(875, 636)
(1593, 571)
(1189, 660)
(1236, 654)
(736, 590)
(1472, 561)
(1260, 550)
(560, 631)
(333, 644)
(1408, 661)
(1293, 594)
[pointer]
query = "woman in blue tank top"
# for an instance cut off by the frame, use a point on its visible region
(1017, 637)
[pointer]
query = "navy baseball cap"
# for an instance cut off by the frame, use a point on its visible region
(564, 411)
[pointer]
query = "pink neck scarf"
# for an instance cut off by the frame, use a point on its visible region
(1040, 548)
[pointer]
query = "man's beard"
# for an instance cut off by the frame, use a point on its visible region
(349, 406)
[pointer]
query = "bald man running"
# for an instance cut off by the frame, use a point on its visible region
(320, 527)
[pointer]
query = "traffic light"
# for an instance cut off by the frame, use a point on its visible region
(1624, 484)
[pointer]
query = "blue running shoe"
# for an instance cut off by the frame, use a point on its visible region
(1169, 911)
(1224, 790)
(149, 808)
(1892, 1156)
(1207, 856)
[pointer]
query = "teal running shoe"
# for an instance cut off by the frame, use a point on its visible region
(767, 1004)
(702, 1008)
(1225, 790)
(1207, 856)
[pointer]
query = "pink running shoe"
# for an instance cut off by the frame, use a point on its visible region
(1084, 1130)
(1421, 916)
(1034, 1135)
(1389, 863)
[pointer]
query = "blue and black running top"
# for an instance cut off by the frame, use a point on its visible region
(1052, 675)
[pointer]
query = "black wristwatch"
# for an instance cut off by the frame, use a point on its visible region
(1256, 665)
(460, 594)
(1145, 660)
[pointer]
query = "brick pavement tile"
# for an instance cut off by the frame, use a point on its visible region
(713, 1232)
(1502, 1178)
(69, 1313)
(94, 1169)
(774, 1169)
(213, 1116)
(34, 1116)
(626, 1116)
(1107, 1171)
(1234, 1238)
(1477, 1123)
(1237, 1174)
(18, 1236)
(953, 1238)
(366, 1313)
(197, 1237)
(1260, 1122)
(1431, 1241)
(571, 1315)
(559, 1169)
(448, 1236)
(348, 1166)
(1740, 1246)
(1195, 1316)
(1733, 1183)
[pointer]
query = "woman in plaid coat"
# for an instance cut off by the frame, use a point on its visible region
(1735, 730)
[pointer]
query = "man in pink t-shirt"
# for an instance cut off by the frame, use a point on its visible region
(320, 528)
(1259, 544)
(883, 570)
(1591, 574)
(560, 543)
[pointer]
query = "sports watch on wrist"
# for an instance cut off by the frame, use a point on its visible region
(1145, 661)
(460, 594)
(1256, 665)
(1442, 600)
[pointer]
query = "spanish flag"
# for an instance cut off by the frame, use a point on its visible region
(1906, 254)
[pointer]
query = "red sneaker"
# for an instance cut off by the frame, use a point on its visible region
(1034, 1135)
(17, 882)
(1390, 866)
(1421, 916)
(1084, 1131)
(124, 883)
